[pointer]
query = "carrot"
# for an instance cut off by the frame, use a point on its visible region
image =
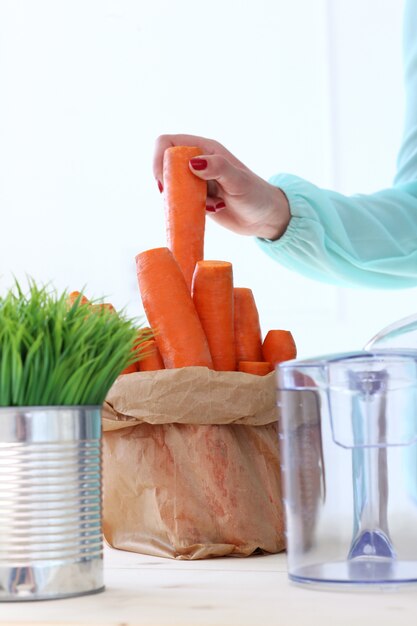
(170, 310)
(260, 368)
(145, 332)
(248, 338)
(103, 306)
(212, 292)
(130, 369)
(143, 335)
(185, 209)
(77, 295)
(279, 345)
(150, 358)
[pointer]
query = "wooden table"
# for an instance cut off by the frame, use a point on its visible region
(149, 591)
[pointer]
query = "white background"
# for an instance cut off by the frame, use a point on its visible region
(311, 87)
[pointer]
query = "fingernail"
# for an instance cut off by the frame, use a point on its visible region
(198, 164)
(211, 209)
(160, 186)
(220, 205)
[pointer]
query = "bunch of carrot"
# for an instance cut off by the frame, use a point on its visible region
(196, 314)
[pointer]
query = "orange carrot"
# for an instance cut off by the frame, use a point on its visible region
(212, 292)
(130, 369)
(103, 306)
(170, 310)
(260, 368)
(145, 331)
(279, 345)
(75, 295)
(150, 358)
(185, 209)
(143, 335)
(248, 338)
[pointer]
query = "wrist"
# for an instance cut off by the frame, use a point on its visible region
(277, 215)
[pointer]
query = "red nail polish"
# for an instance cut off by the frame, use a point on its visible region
(211, 209)
(220, 205)
(198, 164)
(160, 186)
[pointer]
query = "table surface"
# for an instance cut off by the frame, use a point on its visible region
(149, 591)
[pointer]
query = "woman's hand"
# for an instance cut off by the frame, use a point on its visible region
(237, 198)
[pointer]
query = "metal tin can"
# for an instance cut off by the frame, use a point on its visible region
(50, 502)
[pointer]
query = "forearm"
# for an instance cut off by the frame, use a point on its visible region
(364, 240)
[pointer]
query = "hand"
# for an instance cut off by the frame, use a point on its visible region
(237, 198)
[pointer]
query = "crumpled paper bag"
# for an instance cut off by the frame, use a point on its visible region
(191, 464)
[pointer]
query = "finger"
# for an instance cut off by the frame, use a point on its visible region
(207, 146)
(213, 189)
(229, 178)
(215, 204)
(163, 142)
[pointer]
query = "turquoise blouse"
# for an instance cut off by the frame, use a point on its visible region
(361, 240)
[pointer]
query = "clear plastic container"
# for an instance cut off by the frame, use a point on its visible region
(349, 454)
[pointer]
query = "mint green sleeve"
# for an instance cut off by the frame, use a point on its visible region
(360, 240)
(368, 240)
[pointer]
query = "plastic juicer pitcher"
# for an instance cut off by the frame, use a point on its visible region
(349, 451)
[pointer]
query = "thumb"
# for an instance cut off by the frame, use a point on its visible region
(218, 168)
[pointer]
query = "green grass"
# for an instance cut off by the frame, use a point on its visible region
(55, 354)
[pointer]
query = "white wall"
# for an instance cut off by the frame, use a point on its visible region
(312, 88)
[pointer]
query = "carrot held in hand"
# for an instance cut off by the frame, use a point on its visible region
(150, 358)
(170, 310)
(212, 292)
(278, 346)
(185, 209)
(248, 338)
(260, 368)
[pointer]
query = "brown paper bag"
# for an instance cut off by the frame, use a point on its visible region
(191, 464)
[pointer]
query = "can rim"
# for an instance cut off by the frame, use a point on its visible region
(49, 407)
